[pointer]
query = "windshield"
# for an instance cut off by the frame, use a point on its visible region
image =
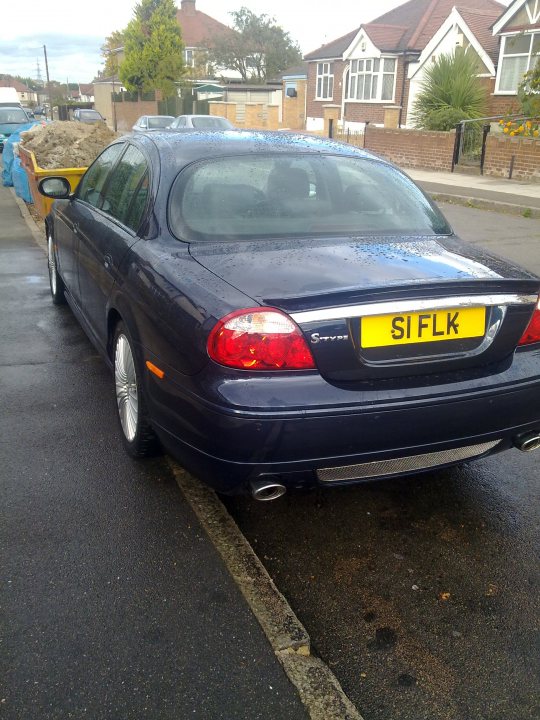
(284, 196)
(160, 122)
(13, 115)
(211, 123)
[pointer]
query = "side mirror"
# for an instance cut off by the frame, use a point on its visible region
(57, 188)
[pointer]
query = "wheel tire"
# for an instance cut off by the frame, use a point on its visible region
(55, 281)
(137, 435)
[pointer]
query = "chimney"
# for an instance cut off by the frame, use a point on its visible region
(188, 7)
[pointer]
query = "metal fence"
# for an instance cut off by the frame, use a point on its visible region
(471, 139)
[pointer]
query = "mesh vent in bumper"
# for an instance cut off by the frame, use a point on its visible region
(394, 466)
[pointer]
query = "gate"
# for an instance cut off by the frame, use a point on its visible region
(470, 143)
(185, 105)
(471, 138)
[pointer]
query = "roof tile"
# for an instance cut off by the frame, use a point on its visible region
(412, 25)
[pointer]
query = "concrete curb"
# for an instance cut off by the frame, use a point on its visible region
(317, 686)
(485, 204)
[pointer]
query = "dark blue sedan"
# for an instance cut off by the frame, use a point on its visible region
(282, 311)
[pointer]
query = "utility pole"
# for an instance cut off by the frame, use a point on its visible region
(48, 81)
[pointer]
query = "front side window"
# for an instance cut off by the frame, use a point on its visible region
(91, 186)
(372, 79)
(325, 81)
(297, 195)
(128, 181)
(520, 53)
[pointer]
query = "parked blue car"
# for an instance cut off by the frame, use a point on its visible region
(11, 119)
(284, 311)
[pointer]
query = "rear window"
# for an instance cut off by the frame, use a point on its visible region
(159, 122)
(287, 196)
(211, 123)
(90, 115)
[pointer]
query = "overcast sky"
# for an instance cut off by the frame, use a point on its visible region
(73, 30)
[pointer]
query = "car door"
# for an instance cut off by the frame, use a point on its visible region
(106, 234)
(69, 215)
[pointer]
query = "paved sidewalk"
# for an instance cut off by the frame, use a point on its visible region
(116, 603)
(510, 195)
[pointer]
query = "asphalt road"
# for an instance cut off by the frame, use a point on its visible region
(421, 594)
(114, 603)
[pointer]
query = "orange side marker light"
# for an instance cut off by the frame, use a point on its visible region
(155, 370)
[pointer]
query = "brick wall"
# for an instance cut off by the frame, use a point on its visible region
(500, 104)
(294, 108)
(412, 148)
(526, 153)
(127, 113)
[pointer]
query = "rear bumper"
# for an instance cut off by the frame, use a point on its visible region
(227, 447)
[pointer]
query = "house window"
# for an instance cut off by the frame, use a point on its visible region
(325, 81)
(520, 53)
(372, 79)
(189, 57)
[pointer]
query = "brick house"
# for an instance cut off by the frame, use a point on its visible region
(198, 32)
(518, 30)
(379, 66)
(25, 94)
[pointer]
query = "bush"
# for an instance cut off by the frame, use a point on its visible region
(444, 118)
(450, 92)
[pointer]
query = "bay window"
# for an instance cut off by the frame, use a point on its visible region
(372, 79)
(520, 53)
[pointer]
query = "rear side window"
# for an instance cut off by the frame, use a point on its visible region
(127, 189)
(298, 195)
(93, 182)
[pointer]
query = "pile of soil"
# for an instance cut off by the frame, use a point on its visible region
(67, 144)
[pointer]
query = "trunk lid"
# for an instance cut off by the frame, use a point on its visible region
(385, 307)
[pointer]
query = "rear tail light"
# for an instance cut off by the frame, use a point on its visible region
(532, 333)
(259, 339)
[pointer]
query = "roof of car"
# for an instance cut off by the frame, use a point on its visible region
(210, 143)
(171, 151)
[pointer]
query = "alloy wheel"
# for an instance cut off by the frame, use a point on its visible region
(125, 377)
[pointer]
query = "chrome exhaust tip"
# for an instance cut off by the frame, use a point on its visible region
(267, 489)
(529, 442)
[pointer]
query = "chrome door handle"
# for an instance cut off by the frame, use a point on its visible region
(107, 261)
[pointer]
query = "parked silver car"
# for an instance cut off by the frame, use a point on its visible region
(152, 122)
(201, 122)
(87, 116)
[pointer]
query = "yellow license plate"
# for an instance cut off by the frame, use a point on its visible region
(423, 326)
